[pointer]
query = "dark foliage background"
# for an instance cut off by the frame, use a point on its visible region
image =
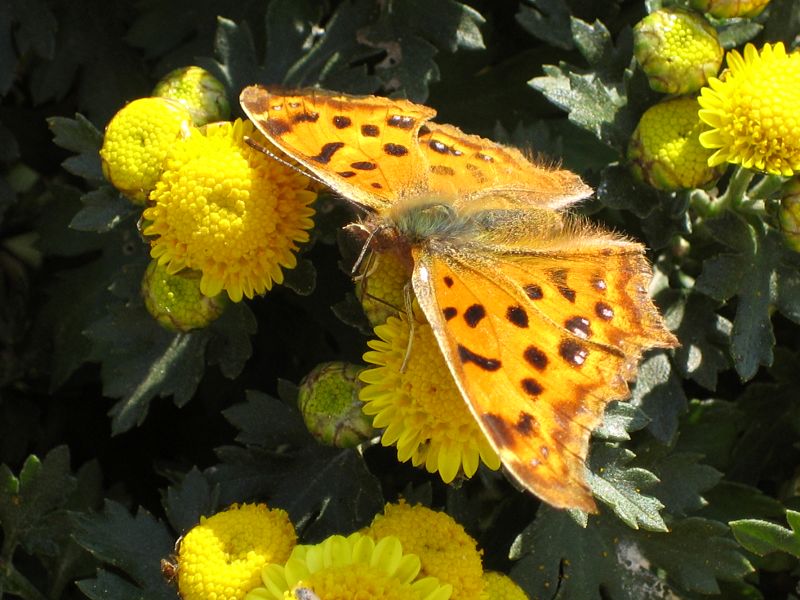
(115, 435)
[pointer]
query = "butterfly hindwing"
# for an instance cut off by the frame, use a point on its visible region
(469, 168)
(535, 367)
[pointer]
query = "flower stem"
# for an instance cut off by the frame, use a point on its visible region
(766, 187)
(17, 584)
(736, 192)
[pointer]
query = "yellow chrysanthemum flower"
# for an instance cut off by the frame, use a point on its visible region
(728, 9)
(222, 557)
(381, 287)
(175, 301)
(677, 49)
(199, 91)
(752, 109)
(138, 141)
(351, 568)
(497, 586)
(445, 550)
(420, 407)
(665, 150)
(229, 211)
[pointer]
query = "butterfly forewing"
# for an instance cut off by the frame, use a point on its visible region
(365, 148)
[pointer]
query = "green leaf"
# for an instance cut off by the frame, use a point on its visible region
(237, 65)
(618, 189)
(290, 28)
(683, 480)
(42, 487)
(189, 500)
(410, 43)
(619, 420)
(302, 279)
(696, 553)
(763, 537)
(659, 394)
(36, 28)
(754, 275)
(83, 138)
(703, 333)
(152, 362)
(621, 487)
(92, 61)
(103, 209)
(325, 490)
(559, 559)
(548, 20)
(592, 104)
(133, 544)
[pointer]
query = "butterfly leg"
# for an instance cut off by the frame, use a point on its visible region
(408, 296)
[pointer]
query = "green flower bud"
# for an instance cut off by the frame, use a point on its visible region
(665, 150)
(728, 9)
(199, 91)
(677, 49)
(789, 214)
(175, 301)
(137, 142)
(329, 403)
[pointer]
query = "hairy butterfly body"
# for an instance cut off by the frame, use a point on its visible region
(541, 317)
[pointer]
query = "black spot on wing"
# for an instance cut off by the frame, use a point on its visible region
(535, 358)
(277, 127)
(327, 151)
(370, 130)
(449, 312)
(517, 316)
(442, 170)
(306, 117)
(364, 165)
(526, 423)
(500, 430)
(448, 281)
(573, 352)
(468, 356)
(567, 292)
(474, 314)
(346, 174)
(533, 291)
(341, 122)
(531, 387)
(604, 311)
(580, 326)
(395, 149)
(400, 121)
(438, 146)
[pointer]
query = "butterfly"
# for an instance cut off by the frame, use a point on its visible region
(541, 316)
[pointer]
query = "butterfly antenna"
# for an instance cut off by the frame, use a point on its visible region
(264, 150)
(408, 295)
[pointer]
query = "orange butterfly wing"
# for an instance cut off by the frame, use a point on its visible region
(364, 147)
(539, 344)
(375, 151)
(469, 167)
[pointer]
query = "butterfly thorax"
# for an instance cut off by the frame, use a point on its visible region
(421, 220)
